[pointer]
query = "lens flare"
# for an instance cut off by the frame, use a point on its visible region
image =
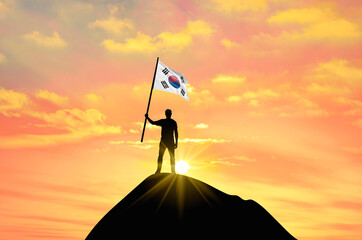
(182, 167)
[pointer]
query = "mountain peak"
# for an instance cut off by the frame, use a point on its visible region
(183, 206)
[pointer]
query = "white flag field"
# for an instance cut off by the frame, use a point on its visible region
(168, 80)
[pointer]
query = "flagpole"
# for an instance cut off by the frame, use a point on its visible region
(149, 100)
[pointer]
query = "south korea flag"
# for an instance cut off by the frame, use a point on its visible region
(168, 80)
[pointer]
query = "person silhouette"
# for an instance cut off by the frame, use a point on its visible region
(169, 127)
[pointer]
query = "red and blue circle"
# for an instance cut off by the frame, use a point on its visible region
(173, 80)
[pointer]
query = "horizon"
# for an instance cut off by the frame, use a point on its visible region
(274, 111)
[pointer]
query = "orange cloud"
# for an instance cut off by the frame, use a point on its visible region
(221, 78)
(333, 30)
(149, 126)
(203, 140)
(239, 158)
(232, 161)
(301, 16)
(201, 126)
(300, 106)
(202, 98)
(2, 58)
(70, 119)
(136, 144)
(173, 41)
(285, 101)
(54, 41)
(327, 89)
(198, 27)
(349, 102)
(112, 24)
(254, 103)
(233, 99)
(337, 78)
(147, 144)
(93, 98)
(338, 70)
(142, 43)
(318, 24)
(227, 43)
(261, 93)
(165, 41)
(36, 141)
(89, 125)
(52, 97)
(354, 106)
(237, 6)
(12, 102)
(79, 124)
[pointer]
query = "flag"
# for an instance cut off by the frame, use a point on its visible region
(168, 80)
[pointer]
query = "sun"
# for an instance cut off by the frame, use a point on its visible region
(182, 167)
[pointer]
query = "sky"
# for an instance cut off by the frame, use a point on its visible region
(275, 110)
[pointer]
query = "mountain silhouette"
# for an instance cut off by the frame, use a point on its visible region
(167, 206)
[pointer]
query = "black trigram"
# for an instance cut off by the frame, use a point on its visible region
(165, 71)
(182, 92)
(164, 84)
(182, 79)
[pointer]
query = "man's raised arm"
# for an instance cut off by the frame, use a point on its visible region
(149, 119)
(158, 122)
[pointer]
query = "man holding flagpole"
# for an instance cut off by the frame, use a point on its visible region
(167, 80)
(169, 134)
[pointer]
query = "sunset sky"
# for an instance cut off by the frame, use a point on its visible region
(275, 110)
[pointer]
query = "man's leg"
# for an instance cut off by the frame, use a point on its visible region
(160, 156)
(171, 150)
